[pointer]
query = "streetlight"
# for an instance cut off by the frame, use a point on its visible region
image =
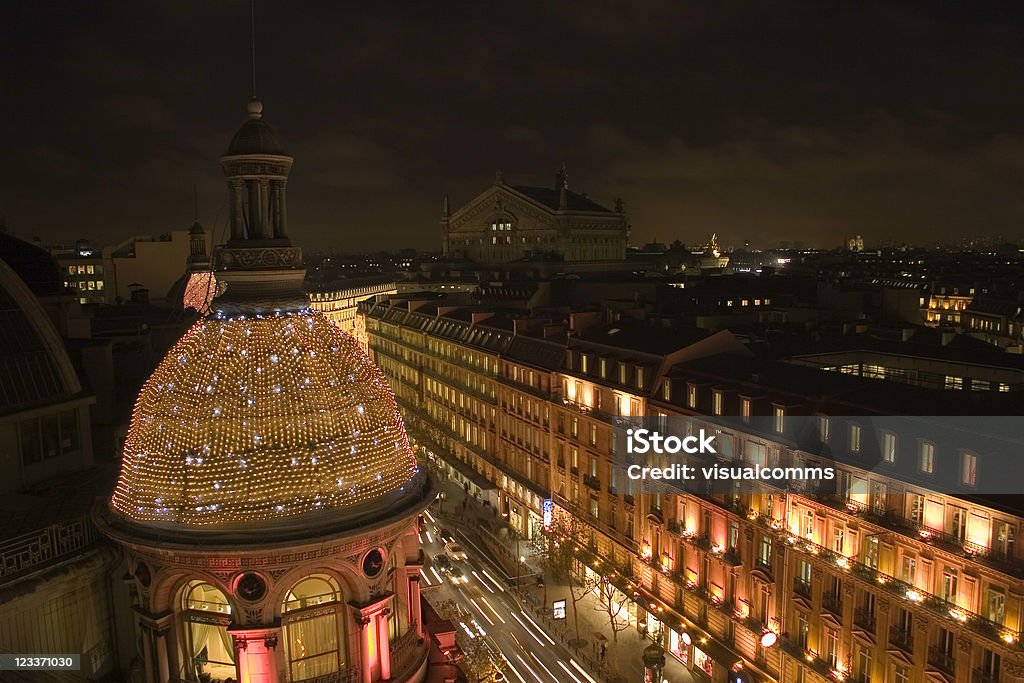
(654, 663)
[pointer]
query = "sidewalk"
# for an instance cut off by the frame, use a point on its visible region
(622, 662)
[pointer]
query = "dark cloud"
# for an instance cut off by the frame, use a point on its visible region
(759, 120)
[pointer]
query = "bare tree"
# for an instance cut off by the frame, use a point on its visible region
(614, 604)
(564, 553)
(479, 658)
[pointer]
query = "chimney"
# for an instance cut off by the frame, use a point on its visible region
(947, 337)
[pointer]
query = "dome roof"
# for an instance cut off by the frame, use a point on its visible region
(263, 419)
(256, 136)
(32, 264)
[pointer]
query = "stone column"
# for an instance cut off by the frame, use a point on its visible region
(366, 649)
(266, 227)
(148, 654)
(282, 223)
(255, 217)
(415, 612)
(384, 643)
(255, 653)
(161, 656)
(237, 212)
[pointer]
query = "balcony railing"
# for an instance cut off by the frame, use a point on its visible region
(865, 619)
(941, 659)
(592, 482)
(802, 587)
(832, 603)
(901, 638)
(894, 521)
(981, 675)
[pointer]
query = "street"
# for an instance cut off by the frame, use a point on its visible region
(531, 655)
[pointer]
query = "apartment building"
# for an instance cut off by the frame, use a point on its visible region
(898, 571)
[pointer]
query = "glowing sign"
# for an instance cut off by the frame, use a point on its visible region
(558, 609)
(548, 508)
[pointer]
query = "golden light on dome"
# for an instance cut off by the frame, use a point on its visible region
(258, 418)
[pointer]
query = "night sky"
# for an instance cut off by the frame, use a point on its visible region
(763, 121)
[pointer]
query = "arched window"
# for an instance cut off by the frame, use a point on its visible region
(207, 616)
(314, 628)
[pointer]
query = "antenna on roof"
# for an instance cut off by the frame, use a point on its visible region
(252, 27)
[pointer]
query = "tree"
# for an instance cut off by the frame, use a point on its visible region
(479, 658)
(564, 553)
(613, 603)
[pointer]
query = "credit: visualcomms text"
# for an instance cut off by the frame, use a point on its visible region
(731, 473)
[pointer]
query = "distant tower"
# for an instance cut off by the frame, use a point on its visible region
(202, 285)
(855, 243)
(256, 167)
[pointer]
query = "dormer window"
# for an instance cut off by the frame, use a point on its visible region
(717, 401)
(622, 373)
(666, 390)
(691, 396)
(639, 378)
(604, 368)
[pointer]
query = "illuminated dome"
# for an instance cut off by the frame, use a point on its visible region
(270, 418)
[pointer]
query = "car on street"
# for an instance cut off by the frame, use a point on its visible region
(455, 574)
(442, 561)
(454, 550)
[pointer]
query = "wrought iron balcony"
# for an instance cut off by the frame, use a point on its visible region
(901, 638)
(802, 587)
(941, 659)
(865, 619)
(832, 603)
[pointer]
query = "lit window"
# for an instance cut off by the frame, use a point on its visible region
(889, 447)
(780, 419)
(717, 406)
(745, 409)
(855, 438)
(823, 428)
(691, 396)
(927, 452)
(969, 471)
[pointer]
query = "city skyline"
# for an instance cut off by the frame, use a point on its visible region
(760, 123)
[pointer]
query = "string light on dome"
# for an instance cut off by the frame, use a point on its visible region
(274, 429)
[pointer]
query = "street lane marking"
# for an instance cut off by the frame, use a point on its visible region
(553, 676)
(562, 664)
(526, 628)
(421, 538)
(482, 582)
(491, 607)
(520, 658)
(580, 669)
(516, 671)
(496, 584)
(434, 572)
(472, 601)
(546, 636)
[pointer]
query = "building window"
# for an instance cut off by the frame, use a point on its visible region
(780, 422)
(603, 364)
(622, 373)
(691, 396)
(593, 434)
(584, 362)
(745, 409)
(666, 390)
(717, 402)
(640, 378)
(823, 428)
(889, 447)
(927, 457)
(831, 647)
(996, 605)
(969, 469)
(854, 438)
(908, 571)
(48, 436)
(764, 551)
